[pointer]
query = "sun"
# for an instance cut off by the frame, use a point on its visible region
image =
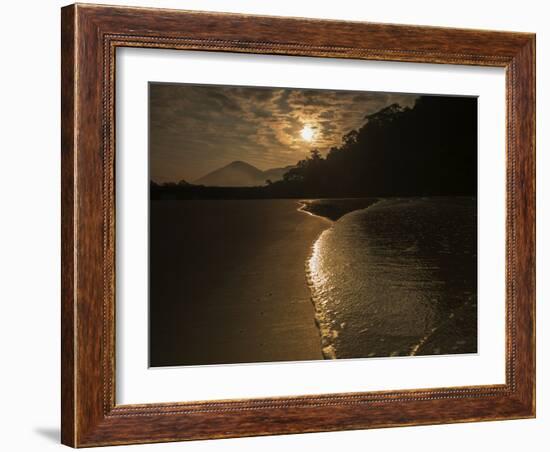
(307, 133)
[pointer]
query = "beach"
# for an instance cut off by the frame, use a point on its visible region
(243, 281)
(229, 284)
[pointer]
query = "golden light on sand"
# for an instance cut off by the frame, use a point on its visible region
(307, 133)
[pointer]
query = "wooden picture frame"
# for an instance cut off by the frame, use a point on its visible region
(90, 36)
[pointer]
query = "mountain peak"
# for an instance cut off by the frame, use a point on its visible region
(240, 163)
(240, 174)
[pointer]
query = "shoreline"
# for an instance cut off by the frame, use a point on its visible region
(408, 275)
(327, 350)
(329, 210)
(307, 271)
(333, 209)
(233, 282)
(303, 209)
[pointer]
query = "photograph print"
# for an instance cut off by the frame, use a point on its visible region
(292, 224)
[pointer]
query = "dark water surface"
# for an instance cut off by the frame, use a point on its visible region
(398, 278)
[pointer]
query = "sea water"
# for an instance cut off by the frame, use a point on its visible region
(398, 278)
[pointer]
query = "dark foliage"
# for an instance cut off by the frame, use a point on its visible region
(429, 149)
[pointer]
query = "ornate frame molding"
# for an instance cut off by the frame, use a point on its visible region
(90, 37)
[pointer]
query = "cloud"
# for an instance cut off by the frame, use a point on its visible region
(195, 129)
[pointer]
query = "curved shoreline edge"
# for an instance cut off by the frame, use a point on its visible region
(449, 332)
(329, 210)
(333, 209)
(327, 349)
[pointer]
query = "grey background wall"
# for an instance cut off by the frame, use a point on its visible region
(29, 224)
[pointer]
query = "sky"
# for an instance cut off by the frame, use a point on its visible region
(196, 129)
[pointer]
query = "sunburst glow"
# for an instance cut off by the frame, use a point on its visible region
(307, 133)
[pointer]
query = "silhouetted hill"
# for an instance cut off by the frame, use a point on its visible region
(241, 174)
(429, 149)
(236, 174)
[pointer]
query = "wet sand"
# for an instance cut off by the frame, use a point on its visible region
(228, 284)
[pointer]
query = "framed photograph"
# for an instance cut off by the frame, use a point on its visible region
(280, 225)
